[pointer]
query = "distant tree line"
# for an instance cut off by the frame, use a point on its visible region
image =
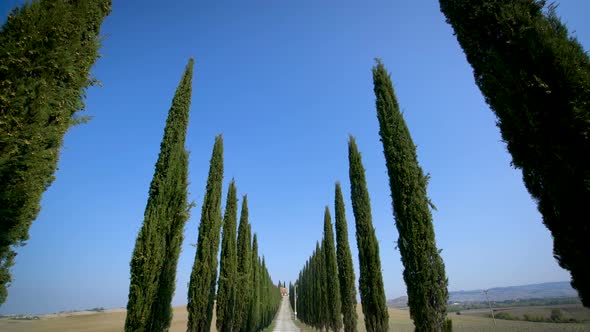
(556, 316)
(460, 306)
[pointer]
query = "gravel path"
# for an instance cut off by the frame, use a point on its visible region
(284, 320)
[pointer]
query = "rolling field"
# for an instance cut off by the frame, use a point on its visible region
(399, 320)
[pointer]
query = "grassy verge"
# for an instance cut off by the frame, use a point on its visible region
(302, 327)
(271, 326)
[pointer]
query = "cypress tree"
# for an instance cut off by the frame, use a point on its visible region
(254, 319)
(322, 282)
(155, 257)
(345, 268)
(424, 270)
(370, 279)
(536, 79)
(315, 309)
(291, 295)
(244, 262)
(46, 51)
(226, 293)
(204, 272)
(332, 284)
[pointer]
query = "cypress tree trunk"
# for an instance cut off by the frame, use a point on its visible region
(370, 280)
(153, 265)
(536, 79)
(204, 271)
(331, 268)
(46, 51)
(345, 267)
(424, 270)
(244, 262)
(228, 271)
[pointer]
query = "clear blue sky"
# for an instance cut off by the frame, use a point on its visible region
(285, 82)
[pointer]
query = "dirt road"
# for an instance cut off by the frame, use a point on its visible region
(284, 321)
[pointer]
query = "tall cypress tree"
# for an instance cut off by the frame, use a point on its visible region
(226, 294)
(244, 262)
(345, 267)
(334, 320)
(536, 79)
(424, 270)
(317, 306)
(204, 272)
(254, 317)
(153, 265)
(370, 279)
(46, 51)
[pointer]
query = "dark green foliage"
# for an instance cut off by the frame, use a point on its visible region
(318, 290)
(447, 325)
(265, 297)
(226, 293)
(424, 270)
(536, 79)
(201, 289)
(47, 48)
(345, 267)
(257, 299)
(370, 279)
(555, 317)
(270, 297)
(321, 284)
(153, 265)
(311, 291)
(243, 292)
(333, 305)
(292, 295)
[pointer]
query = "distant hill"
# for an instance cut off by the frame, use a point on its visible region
(535, 291)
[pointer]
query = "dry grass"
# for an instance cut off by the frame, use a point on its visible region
(109, 321)
(399, 320)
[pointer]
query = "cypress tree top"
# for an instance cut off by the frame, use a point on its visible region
(244, 261)
(153, 265)
(228, 270)
(345, 267)
(200, 290)
(334, 320)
